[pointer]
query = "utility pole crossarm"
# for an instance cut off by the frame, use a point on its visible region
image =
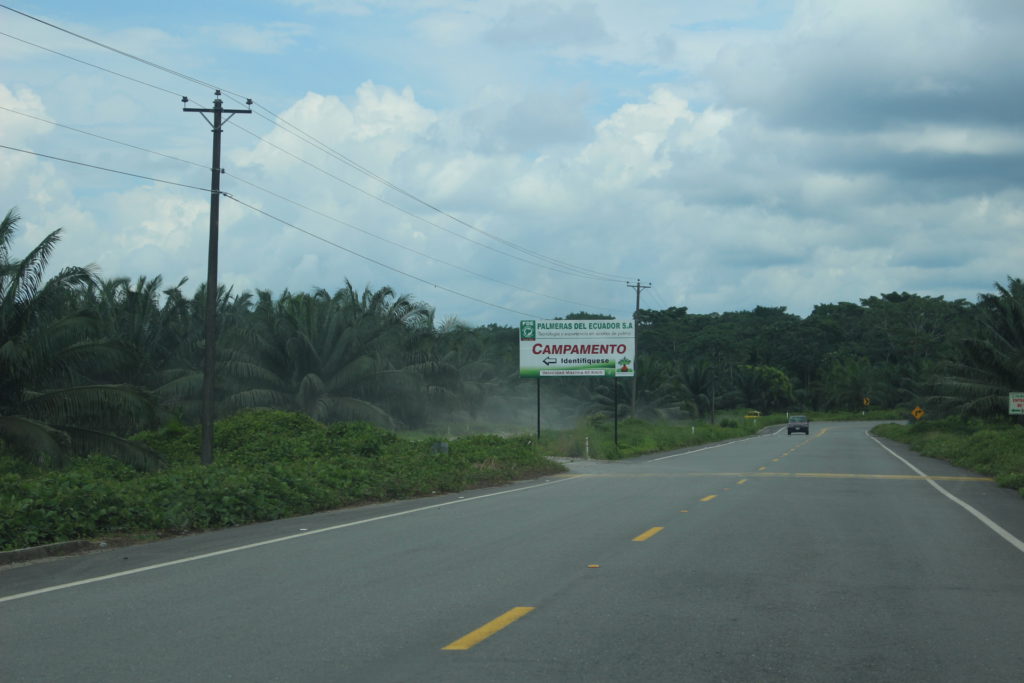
(638, 287)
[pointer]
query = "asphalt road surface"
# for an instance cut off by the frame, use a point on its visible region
(830, 557)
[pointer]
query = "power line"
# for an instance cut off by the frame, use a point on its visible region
(82, 61)
(375, 261)
(102, 137)
(564, 267)
(309, 139)
(302, 206)
(659, 297)
(116, 50)
(284, 222)
(405, 247)
(103, 168)
(410, 213)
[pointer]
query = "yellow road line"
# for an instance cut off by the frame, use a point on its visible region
(741, 481)
(834, 475)
(823, 475)
(707, 498)
(489, 629)
(650, 532)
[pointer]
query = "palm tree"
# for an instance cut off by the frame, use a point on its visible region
(992, 362)
(50, 406)
(179, 379)
(332, 357)
(695, 388)
(846, 380)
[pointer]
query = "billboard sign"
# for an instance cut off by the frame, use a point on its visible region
(577, 348)
(1017, 403)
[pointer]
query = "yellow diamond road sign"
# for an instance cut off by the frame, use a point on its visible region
(917, 412)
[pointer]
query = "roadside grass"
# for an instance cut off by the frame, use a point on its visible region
(594, 437)
(992, 448)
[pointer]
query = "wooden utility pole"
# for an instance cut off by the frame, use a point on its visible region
(210, 357)
(636, 329)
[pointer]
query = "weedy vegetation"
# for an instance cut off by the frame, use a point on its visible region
(986, 447)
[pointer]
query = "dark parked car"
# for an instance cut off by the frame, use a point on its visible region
(798, 423)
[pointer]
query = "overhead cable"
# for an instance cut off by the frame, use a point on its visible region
(95, 66)
(283, 221)
(405, 247)
(97, 43)
(103, 137)
(563, 266)
(375, 261)
(410, 213)
(104, 168)
(300, 205)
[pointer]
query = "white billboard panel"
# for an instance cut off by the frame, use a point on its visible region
(577, 348)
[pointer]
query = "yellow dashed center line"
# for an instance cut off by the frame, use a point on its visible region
(489, 629)
(741, 482)
(650, 532)
(707, 498)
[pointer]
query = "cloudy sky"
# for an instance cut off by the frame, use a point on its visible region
(516, 158)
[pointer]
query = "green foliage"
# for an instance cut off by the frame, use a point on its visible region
(991, 362)
(50, 408)
(362, 438)
(269, 465)
(992, 448)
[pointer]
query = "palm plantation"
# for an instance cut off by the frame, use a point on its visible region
(51, 405)
(86, 362)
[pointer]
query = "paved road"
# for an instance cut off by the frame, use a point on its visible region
(775, 558)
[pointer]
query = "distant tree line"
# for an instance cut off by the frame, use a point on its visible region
(87, 361)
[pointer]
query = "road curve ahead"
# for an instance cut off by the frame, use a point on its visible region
(828, 557)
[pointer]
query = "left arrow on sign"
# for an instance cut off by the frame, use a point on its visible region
(549, 361)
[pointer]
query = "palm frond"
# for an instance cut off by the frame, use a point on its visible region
(118, 406)
(35, 441)
(87, 441)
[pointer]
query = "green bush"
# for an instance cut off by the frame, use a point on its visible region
(268, 465)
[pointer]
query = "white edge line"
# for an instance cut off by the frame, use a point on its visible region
(227, 551)
(1003, 533)
(698, 450)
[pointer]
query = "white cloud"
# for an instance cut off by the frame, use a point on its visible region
(18, 129)
(548, 25)
(269, 39)
(735, 153)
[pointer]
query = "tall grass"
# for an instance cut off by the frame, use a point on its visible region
(994, 449)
